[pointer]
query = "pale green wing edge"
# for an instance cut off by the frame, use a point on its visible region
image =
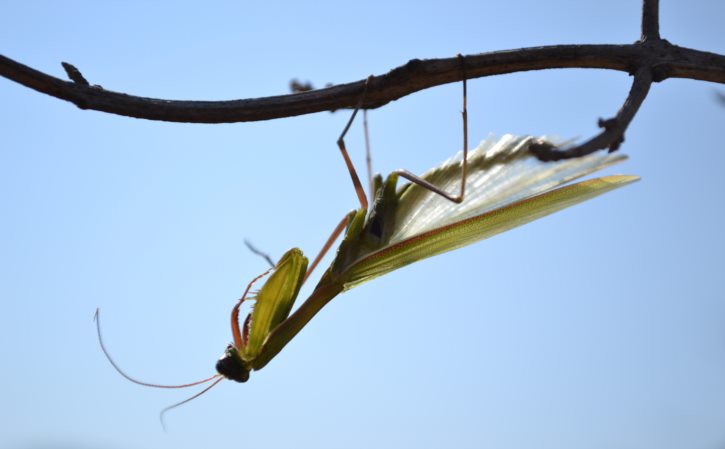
(470, 230)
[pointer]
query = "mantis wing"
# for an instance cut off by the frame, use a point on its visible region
(469, 230)
(500, 172)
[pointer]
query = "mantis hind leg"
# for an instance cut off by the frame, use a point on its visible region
(368, 156)
(328, 244)
(433, 188)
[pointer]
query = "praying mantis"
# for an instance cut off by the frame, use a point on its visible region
(501, 186)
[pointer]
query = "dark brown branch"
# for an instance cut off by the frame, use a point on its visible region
(613, 134)
(668, 61)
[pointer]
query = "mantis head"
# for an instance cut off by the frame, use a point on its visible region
(231, 366)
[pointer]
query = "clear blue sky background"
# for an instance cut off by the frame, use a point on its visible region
(602, 326)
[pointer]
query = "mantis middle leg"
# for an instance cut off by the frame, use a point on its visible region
(401, 172)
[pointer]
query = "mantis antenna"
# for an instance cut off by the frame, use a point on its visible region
(218, 377)
(97, 319)
(171, 407)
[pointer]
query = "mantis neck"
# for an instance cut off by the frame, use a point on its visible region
(286, 331)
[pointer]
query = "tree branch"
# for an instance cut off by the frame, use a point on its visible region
(668, 61)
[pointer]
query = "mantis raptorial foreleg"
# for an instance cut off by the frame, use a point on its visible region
(236, 333)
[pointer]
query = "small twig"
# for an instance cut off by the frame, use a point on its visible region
(296, 86)
(613, 129)
(650, 20)
(74, 74)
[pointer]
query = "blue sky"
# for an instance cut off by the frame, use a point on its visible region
(601, 326)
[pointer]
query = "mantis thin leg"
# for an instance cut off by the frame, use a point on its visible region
(427, 185)
(341, 144)
(330, 240)
(235, 312)
(368, 157)
(405, 173)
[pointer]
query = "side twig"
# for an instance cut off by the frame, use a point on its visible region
(650, 20)
(613, 134)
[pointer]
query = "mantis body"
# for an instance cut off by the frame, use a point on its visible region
(502, 185)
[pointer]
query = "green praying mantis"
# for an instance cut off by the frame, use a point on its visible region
(501, 186)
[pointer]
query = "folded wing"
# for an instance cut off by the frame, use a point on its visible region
(500, 172)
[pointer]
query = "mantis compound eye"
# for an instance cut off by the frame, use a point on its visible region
(230, 365)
